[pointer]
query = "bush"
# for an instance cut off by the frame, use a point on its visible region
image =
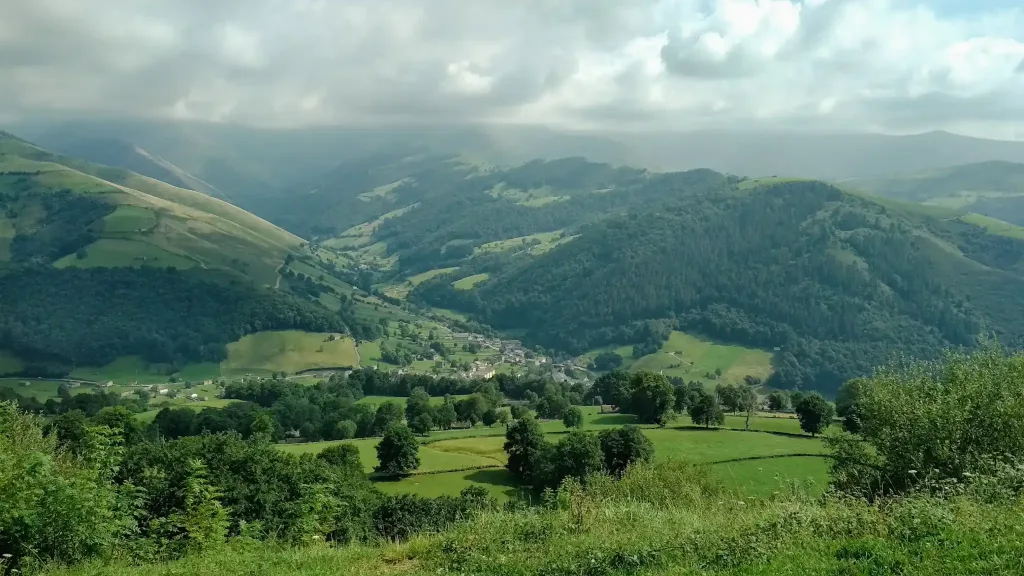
(345, 430)
(623, 447)
(343, 457)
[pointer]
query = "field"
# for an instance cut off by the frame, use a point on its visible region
(289, 350)
(754, 463)
(116, 252)
(469, 282)
(692, 358)
(128, 218)
(994, 226)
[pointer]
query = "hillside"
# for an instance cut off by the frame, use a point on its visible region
(994, 189)
(98, 263)
(834, 283)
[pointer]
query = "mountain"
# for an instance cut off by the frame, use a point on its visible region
(98, 262)
(243, 162)
(835, 283)
(994, 189)
(826, 156)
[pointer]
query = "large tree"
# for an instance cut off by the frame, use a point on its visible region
(653, 398)
(815, 414)
(524, 443)
(622, 447)
(705, 411)
(397, 451)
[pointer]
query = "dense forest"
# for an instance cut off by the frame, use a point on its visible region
(834, 282)
(63, 317)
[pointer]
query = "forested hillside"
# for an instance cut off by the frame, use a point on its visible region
(833, 282)
(99, 262)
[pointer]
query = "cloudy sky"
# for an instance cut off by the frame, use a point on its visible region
(882, 65)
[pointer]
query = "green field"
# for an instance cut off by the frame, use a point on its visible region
(691, 358)
(469, 282)
(994, 226)
(127, 218)
(288, 350)
(755, 463)
(117, 252)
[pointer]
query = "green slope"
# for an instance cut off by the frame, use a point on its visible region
(148, 222)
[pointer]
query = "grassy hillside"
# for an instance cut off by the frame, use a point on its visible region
(691, 358)
(148, 223)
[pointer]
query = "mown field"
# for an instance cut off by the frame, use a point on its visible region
(754, 463)
(693, 358)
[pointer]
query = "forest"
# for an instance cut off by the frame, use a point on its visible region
(834, 283)
(92, 316)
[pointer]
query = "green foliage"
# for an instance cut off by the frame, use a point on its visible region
(577, 455)
(624, 447)
(931, 424)
(201, 523)
(343, 457)
(345, 430)
(397, 451)
(93, 316)
(56, 506)
(524, 443)
(422, 424)
(778, 401)
(704, 410)
(572, 417)
(652, 398)
(445, 414)
(815, 414)
(848, 404)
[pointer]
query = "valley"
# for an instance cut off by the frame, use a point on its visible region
(713, 325)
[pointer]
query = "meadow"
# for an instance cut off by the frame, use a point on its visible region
(693, 358)
(752, 463)
(290, 350)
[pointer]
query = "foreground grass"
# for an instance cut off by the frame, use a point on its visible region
(664, 520)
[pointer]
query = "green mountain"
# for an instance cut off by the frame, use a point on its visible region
(99, 262)
(994, 189)
(834, 283)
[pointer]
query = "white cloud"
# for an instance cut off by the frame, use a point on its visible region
(883, 64)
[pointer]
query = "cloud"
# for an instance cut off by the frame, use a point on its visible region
(889, 65)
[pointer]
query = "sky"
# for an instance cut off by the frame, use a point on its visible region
(895, 66)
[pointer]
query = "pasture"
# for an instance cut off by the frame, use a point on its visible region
(127, 218)
(469, 282)
(693, 358)
(290, 351)
(120, 252)
(754, 463)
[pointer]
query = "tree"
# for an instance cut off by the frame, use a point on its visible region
(122, 422)
(518, 411)
(572, 417)
(309, 432)
(622, 447)
(490, 417)
(613, 387)
(471, 409)
(504, 416)
(422, 424)
(397, 451)
(552, 406)
(653, 398)
(418, 403)
(524, 443)
(388, 413)
(705, 411)
(778, 401)
(848, 404)
(345, 430)
(606, 361)
(795, 397)
(445, 414)
(730, 397)
(144, 395)
(815, 414)
(175, 422)
(578, 455)
(71, 431)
